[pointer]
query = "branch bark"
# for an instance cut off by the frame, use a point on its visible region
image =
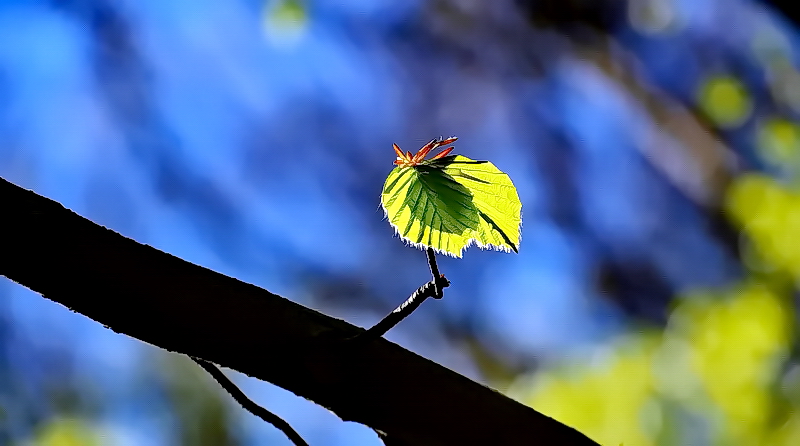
(160, 299)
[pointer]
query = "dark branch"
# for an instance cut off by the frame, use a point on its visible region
(248, 404)
(789, 8)
(144, 293)
(401, 312)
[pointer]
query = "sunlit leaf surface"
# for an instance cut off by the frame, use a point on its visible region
(448, 203)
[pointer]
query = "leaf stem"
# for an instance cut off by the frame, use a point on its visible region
(248, 404)
(434, 288)
(437, 278)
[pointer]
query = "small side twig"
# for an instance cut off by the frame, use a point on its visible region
(434, 288)
(248, 404)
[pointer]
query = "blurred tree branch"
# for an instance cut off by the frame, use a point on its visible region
(144, 293)
(789, 8)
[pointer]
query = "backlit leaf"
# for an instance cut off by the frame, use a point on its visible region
(450, 202)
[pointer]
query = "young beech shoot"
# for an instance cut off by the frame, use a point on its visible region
(448, 202)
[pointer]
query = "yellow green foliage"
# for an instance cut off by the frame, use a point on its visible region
(717, 360)
(66, 432)
(770, 216)
(604, 396)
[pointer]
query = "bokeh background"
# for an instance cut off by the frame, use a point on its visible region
(654, 143)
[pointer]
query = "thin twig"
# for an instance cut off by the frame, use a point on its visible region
(401, 312)
(248, 404)
(434, 288)
(437, 278)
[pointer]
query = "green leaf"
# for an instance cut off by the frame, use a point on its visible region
(451, 202)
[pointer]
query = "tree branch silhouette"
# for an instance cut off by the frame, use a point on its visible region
(139, 291)
(249, 404)
(789, 8)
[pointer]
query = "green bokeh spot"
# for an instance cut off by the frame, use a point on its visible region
(779, 141)
(289, 12)
(725, 100)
